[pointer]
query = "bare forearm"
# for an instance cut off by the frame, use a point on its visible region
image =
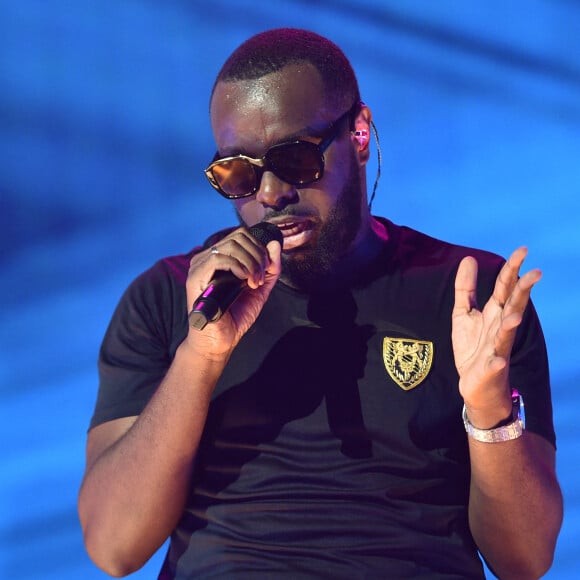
(133, 493)
(515, 507)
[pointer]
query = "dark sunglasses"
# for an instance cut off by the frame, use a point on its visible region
(296, 162)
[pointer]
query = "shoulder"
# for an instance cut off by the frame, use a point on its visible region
(414, 249)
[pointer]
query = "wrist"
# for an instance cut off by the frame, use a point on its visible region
(489, 418)
(506, 429)
(195, 353)
(490, 414)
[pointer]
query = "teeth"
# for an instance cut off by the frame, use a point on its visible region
(290, 225)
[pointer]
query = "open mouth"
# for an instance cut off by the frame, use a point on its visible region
(296, 231)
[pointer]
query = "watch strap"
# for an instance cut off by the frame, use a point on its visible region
(512, 430)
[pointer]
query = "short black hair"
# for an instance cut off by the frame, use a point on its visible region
(272, 50)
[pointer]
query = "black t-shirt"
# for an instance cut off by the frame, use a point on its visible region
(334, 446)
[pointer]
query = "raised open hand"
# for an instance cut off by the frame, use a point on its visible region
(482, 340)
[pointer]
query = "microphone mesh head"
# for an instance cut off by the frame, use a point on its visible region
(266, 232)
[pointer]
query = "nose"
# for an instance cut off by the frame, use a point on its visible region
(275, 193)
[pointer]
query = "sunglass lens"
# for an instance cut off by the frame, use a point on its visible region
(236, 177)
(296, 163)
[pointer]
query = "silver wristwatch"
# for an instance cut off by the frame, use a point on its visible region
(512, 430)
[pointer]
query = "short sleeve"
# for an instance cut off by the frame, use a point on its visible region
(529, 373)
(148, 324)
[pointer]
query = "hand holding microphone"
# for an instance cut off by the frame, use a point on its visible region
(225, 287)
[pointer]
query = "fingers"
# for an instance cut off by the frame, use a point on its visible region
(275, 253)
(508, 277)
(512, 292)
(465, 286)
(483, 341)
(520, 295)
(510, 297)
(242, 255)
(239, 253)
(513, 310)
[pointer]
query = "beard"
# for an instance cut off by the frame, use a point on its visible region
(312, 267)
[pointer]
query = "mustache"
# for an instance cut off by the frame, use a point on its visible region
(290, 211)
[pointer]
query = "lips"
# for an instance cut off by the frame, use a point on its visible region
(296, 231)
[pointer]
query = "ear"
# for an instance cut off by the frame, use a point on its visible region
(362, 133)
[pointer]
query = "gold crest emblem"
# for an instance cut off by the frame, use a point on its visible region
(407, 361)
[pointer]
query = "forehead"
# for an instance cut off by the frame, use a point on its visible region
(253, 114)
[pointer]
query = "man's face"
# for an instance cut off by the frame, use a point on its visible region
(320, 221)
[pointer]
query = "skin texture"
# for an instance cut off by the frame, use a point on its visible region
(340, 233)
(515, 505)
(138, 468)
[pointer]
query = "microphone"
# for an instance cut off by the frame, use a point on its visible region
(224, 288)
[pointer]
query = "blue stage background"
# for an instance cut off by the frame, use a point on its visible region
(104, 134)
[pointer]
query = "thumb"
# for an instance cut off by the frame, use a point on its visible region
(465, 286)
